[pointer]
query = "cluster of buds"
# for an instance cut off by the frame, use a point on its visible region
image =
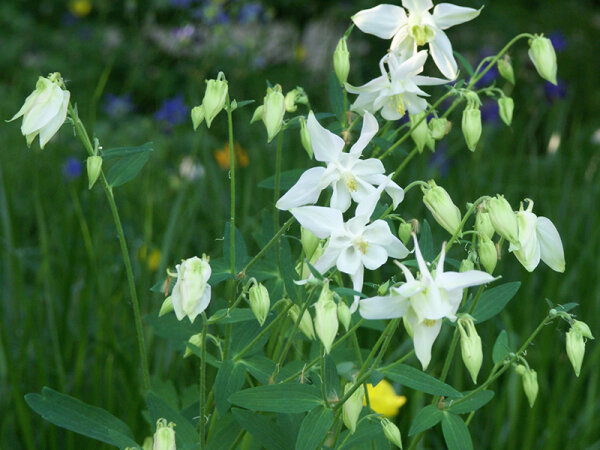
(274, 107)
(212, 103)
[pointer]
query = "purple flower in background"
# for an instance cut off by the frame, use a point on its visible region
(181, 3)
(250, 12)
(117, 106)
(69, 19)
(184, 34)
(554, 93)
(72, 169)
(490, 114)
(439, 160)
(173, 111)
(211, 14)
(491, 75)
(559, 41)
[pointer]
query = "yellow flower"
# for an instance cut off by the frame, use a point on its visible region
(150, 257)
(383, 399)
(222, 156)
(80, 8)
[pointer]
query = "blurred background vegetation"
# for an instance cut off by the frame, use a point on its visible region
(136, 67)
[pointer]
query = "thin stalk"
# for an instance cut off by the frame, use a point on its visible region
(232, 189)
(288, 344)
(276, 190)
(322, 367)
(203, 380)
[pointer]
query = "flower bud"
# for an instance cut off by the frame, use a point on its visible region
(470, 345)
(344, 315)
(326, 320)
(420, 134)
(258, 113)
(488, 255)
(483, 224)
(506, 69)
(305, 137)
(295, 97)
(530, 383)
(582, 328)
(164, 437)
(575, 349)
(260, 302)
(506, 105)
(444, 211)
(214, 98)
(94, 169)
(341, 61)
(384, 288)
(541, 53)
(466, 265)
(148, 443)
(44, 110)
(438, 127)
(166, 307)
(196, 341)
(197, 116)
(306, 325)
(352, 407)
(471, 127)
(273, 112)
(309, 241)
(503, 218)
(404, 231)
(191, 293)
(392, 433)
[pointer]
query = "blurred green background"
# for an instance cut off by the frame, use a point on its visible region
(135, 68)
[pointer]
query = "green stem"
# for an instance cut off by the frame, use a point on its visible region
(203, 380)
(288, 344)
(232, 189)
(276, 191)
(322, 367)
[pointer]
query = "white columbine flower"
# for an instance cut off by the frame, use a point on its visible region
(191, 293)
(351, 177)
(396, 92)
(538, 239)
(45, 110)
(353, 245)
(418, 28)
(424, 301)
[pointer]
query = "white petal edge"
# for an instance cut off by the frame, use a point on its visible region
(326, 145)
(446, 15)
(321, 221)
(382, 21)
(441, 51)
(305, 191)
(551, 247)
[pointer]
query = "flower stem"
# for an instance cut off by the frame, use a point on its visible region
(232, 189)
(203, 379)
(276, 191)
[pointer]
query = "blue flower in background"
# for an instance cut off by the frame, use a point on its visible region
(559, 41)
(117, 106)
(173, 111)
(490, 114)
(181, 3)
(250, 12)
(211, 14)
(554, 93)
(491, 75)
(439, 160)
(72, 168)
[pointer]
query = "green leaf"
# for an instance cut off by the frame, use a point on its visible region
(283, 398)
(234, 316)
(425, 419)
(230, 379)
(225, 433)
(368, 435)
(501, 348)
(314, 428)
(420, 381)
(473, 403)
(286, 180)
(332, 379)
(169, 327)
(262, 368)
(243, 103)
(464, 63)
(241, 252)
(125, 151)
(127, 168)
(494, 300)
(185, 432)
(456, 433)
(266, 432)
(74, 415)
(336, 97)
(566, 307)
(426, 242)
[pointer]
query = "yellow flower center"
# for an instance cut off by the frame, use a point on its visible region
(399, 101)
(429, 322)
(361, 245)
(350, 181)
(422, 34)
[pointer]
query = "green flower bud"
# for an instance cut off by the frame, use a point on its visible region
(391, 432)
(258, 114)
(541, 53)
(344, 315)
(326, 320)
(305, 137)
(196, 341)
(420, 134)
(582, 328)
(148, 443)
(214, 98)
(405, 230)
(306, 325)
(470, 346)
(164, 437)
(530, 383)
(167, 307)
(352, 407)
(506, 69)
(341, 61)
(94, 169)
(483, 224)
(438, 127)
(384, 288)
(260, 303)
(197, 116)
(444, 211)
(273, 112)
(575, 349)
(293, 98)
(506, 105)
(309, 241)
(466, 265)
(503, 218)
(488, 255)
(471, 127)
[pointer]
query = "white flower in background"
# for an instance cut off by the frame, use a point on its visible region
(538, 239)
(191, 293)
(424, 301)
(45, 110)
(418, 27)
(395, 92)
(353, 245)
(351, 177)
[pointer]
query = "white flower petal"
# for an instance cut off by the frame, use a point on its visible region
(357, 284)
(441, 51)
(365, 167)
(321, 221)
(429, 81)
(412, 65)
(422, 265)
(201, 305)
(349, 260)
(424, 335)
(403, 43)
(389, 110)
(375, 85)
(44, 110)
(305, 191)
(341, 196)
(382, 21)
(551, 247)
(417, 5)
(56, 122)
(461, 280)
(416, 104)
(389, 307)
(369, 129)
(326, 145)
(410, 288)
(375, 257)
(447, 15)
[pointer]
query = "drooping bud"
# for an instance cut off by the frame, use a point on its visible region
(541, 53)
(309, 241)
(148, 443)
(344, 315)
(471, 126)
(260, 302)
(444, 211)
(306, 325)
(391, 432)
(258, 113)
(191, 294)
(294, 97)
(470, 345)
(506, 106)
(341, 61)
(326, 320)
(404, 232)
(582, 328)
(196, 341)
(503, 218)
(214, 98)
(488, 255)
(576, 344)
(166, 307)
(420, 133)
(466, 265)
(352, 407)
(530, 383)
(305, 137)
(483, 224)
(438, 127)
(197, 116)
(164, 437)
(94, 169)
(505, 69)
(273, 112)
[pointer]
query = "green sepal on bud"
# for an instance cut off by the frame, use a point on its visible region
(483, 224)
(391, 432)
(405, 230)
(260, 302)
(197, 116)
(309, 241)
(305, 137)
(164, 437)
(306, 325)
(471, 127)
(466, 265)
(343, 314)
(444, 211)
(438, 127)
(94, 169)
(352, 407)
(326, 319)
(258, 113)
(295, 97)
(488, 254)
(420, 133)
(506, 70)
(576, 344)
(148, 443)
(341, 61)
(543, 56)
(530, 383)
(470, 346)
(506, 106)
(166, 307)
(503, 218)
(196, 341)
(213, 101)
(273, 111)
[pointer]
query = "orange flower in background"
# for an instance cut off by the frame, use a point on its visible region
(80, 8)
(222, 156)
(383, 399)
